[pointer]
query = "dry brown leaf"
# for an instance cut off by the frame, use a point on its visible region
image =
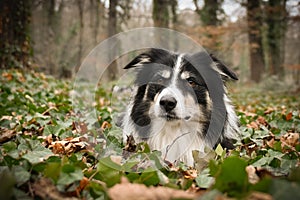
(252, 176)
(254, 125)
(290, 139)
(83, 183)
(259, 196)
(289, 116)
(269, 110)
(6, 117)
(68, 145)
(80, 127)
(260, 121)
(57, 148)
(6, 134)
(45, 189)
(190, 173)
(105, 125)
(8, 76)
(270, 142)
(130, 144)
(129, 191)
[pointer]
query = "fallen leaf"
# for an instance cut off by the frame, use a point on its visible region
(8, 76)
(83, 183)
(259, 196)
(68, 145)
(80, 127)
(105, 125)
(252, 176)
(190, 173)
(289, 116)
(45, 189)
(290, 139)
(129, 191)
(6, 134)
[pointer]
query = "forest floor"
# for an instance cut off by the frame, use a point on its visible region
(51, 149)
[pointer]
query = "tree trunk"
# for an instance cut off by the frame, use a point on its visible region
(254, 19)
(174, 7)
(80, 5)
(209, 12)
(161, 17)
(208, 16)
(160, 13)
(51, 33)
(15, 49)
(276, 19)
(94, 19)
(112, 30)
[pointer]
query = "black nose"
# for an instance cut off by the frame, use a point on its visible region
(168, 103)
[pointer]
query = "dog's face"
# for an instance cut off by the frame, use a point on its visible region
(171, 92)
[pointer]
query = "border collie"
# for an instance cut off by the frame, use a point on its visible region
(171, 105)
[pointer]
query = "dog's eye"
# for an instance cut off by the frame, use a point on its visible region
(159, 79)
(192, 82)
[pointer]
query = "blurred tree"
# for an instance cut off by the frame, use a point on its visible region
(160, 13)
(112, 30)
(209, 12)
(209, 17)
(94, 18)
(80, 5)
(276, 16)
(164, 15)
(15, 49)
(174, 5)
(112, 17)
(51, 32)
(254, 19)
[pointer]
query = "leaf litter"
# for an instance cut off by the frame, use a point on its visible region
(53, 152)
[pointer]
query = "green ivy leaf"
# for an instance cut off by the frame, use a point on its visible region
(38, 156)
(231, 177)
(109, 171)
(68, 178)
(21, 175)
(149, 177)
(204, 180)
(52, 170)
(219, 150)
(7, 182)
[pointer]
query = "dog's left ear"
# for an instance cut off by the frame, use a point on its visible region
(224, 71)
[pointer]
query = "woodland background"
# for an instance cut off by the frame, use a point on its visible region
(55, 146)
(259, 39)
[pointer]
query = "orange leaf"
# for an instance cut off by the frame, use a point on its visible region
(83, 183)
(8, 76)
(289, 116)
(105, 125)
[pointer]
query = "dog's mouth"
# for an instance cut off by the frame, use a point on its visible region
(169, 116)
(173, 116)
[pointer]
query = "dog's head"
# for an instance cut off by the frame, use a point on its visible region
(171, 89)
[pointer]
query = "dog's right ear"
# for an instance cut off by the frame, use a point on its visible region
(150, 56)
(139, 60)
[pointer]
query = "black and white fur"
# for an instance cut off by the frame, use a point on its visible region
(171, 105)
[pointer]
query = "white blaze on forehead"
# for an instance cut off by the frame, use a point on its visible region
(177, 68)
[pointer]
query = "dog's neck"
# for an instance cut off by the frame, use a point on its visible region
(176, 139)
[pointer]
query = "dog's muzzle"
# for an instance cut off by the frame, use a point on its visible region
(168, 103)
